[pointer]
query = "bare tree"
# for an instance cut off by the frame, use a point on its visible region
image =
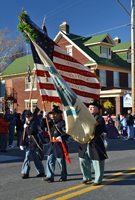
(9, 46)
(20, 51)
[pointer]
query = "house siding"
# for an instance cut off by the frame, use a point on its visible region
(79, 56)
(75, 52)
(63, 43)
(19, 85)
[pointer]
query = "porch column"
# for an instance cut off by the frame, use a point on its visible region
(118, 105)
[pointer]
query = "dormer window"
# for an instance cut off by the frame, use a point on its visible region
(128, 57)
(105, 52)
(69, 50)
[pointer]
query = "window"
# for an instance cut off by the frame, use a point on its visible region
(28, 84)
(128, 57)
(69, 50)
(129, 80)
(105, 52)
(102, 76)
(116, 79)
(11, 105)
(33, 104)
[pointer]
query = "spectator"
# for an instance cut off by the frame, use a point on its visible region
(36, 116)
(43, 133)
(40, 115)
(130, 122)
(3, 133)
(19, 128)
(11, 127)
(118, 123)
(124, 125)
(23, 117)
(112, 131)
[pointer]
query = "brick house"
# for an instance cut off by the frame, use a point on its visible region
(17, 86)
(108, 58)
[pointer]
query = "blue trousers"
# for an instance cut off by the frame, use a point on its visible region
(130, 131)
(51, 159)
(85, 165)
(26, 164)
(11, 129)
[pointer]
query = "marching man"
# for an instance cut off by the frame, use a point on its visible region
(31, 131)
(94, 151)
(55, 149)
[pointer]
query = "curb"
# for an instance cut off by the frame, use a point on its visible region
(15, 146)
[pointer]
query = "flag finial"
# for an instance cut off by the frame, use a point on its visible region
(44, 20)
(23, 11)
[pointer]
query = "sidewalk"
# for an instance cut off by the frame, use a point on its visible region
(15, 145)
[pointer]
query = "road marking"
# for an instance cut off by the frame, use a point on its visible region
(60, 192)
(88, 188)
(68, 196)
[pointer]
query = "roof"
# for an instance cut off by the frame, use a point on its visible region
(14, 67)
(117, 61)
(95, 39)
(121, 46)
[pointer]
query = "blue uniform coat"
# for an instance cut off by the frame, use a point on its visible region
(57, 146)
(96, 146)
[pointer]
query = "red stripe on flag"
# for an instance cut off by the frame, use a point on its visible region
(50, 99)
(42, 73)
(81, 83)
(86, 94)
(73, 70)
(47, 86)
(65, 57)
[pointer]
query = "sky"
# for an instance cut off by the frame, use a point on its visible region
(85, 17)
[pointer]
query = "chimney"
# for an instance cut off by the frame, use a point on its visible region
(64, 27)
(117, 40)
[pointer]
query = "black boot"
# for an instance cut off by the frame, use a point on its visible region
(24, 176)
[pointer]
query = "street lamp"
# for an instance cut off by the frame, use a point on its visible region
(132, 53)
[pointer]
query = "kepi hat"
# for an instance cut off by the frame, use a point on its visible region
(94, 102)
(28, 113)
(7, 108)
(56, 109)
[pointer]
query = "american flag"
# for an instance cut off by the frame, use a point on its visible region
(64, 73)
(80, 79)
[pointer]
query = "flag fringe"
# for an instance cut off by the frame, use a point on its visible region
(49, 102)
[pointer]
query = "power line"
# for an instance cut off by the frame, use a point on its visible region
(87, 35)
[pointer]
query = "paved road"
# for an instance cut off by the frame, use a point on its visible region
(118, 183)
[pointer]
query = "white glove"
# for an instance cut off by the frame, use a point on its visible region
(59, 138)
(25, 125)
(22, 148)
(44, 114)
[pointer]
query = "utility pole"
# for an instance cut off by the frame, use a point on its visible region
(132, 53)
(132, 57)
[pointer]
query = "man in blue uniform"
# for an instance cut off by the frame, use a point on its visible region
(55, 150)
(94, 151)
(30, 132)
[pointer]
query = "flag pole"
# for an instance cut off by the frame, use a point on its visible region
(31, 89)
(29, 104)
(47, 122)
(44, 28)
